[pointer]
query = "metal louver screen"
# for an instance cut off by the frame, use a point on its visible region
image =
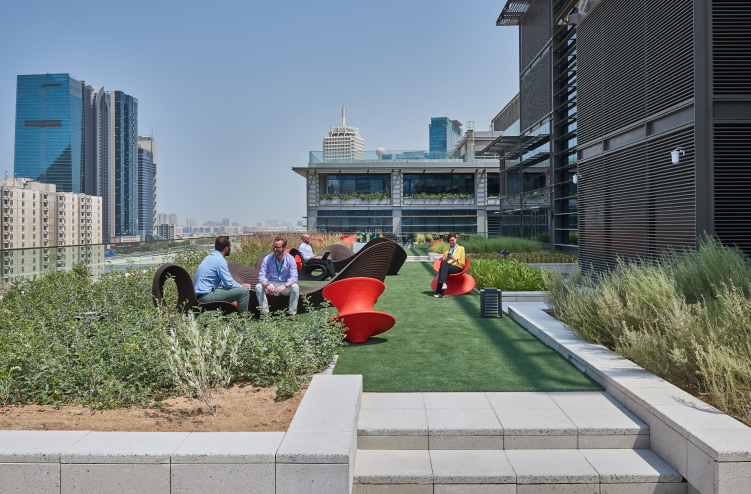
(535, 30)
(731, 47)
(634, 203)
(732, 184)
(536, 93)
(634, 59)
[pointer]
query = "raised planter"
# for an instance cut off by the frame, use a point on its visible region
(556, 267)
(709, 448)
(354, 202)
(432, 256)
(438, 202)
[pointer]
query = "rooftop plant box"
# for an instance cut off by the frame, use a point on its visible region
(377, 199)
(443, 199)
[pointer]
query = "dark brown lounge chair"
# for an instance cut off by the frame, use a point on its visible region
(374, 264)
(307, 272)
(186, 294)
(342, 256)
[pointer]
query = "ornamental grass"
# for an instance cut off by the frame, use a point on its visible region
(685, 317)
(508, 275)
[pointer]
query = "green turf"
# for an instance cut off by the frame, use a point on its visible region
(419, 250)
(443, 345)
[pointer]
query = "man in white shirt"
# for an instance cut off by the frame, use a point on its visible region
(306, 251)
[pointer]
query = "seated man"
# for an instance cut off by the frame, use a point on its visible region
(213, 281)
(278, 276)
(306, 251)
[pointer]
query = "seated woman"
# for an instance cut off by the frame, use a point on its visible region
(452, 263)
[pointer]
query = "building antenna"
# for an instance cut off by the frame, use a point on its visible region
(344, 113)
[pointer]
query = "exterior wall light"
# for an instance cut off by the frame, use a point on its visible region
(676, 155)
(576, 178)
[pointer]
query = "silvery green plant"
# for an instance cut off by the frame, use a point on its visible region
(201, 356)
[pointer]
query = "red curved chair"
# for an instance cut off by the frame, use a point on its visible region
(459, 283)
(298, 259)
(354, 298)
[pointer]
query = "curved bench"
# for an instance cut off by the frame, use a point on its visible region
(186, 294)
(354, 299)
(458, 284)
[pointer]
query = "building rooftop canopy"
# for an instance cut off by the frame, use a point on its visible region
(512, 12)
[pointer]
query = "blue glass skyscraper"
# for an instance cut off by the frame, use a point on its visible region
(48, 146)
(445, 133)
(124, 149)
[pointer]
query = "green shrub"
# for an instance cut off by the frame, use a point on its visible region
(686, 317)
(477, 244)
(358, 195)
(506, 275)
(544, 237)
(441, 196)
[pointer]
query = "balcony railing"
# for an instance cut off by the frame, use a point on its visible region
(399, 156)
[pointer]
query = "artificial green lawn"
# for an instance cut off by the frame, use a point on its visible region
(444, 345)
(419, 250)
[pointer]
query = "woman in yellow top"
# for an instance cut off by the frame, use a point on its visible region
(452, 263)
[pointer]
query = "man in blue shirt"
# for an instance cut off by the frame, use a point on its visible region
(213, 281)
(278, 276)
(306, 251)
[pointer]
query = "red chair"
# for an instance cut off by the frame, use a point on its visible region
(458, 284)
(298, 260)
(354, 298)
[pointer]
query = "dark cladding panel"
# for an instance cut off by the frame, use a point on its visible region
(536, 93)
(589, 48)
(732, 183)
(623, 70)
(731, 47)
(670, 53)
(535, 30)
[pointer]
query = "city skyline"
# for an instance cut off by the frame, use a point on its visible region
(217, 147)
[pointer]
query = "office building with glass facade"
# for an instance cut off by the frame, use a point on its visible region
(122, 202)
(402, 192)
(49, 121)
(444, 133)
(145, 193)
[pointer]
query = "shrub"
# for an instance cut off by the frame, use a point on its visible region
(685, 317)
(506, 275)
(544, 237)
(477, 244)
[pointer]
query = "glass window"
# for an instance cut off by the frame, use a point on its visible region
(439, 183)
(494, 184)
(358, 183)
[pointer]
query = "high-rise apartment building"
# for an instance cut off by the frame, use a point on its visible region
(343, 143)
(191, 222)
(162, 219)
(145, 192)
(225, 221)
(173, 219)
(96, 121)
(49, 120)
(121, 203)
(36, 215)
(149, 143)
(165, 231)
(444, 133)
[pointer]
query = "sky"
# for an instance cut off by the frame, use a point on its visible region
(238, 93)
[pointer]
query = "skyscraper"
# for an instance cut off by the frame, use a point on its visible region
(49, 120)
(121, 201)
(148, 142)
(173, 219)
(145, 191)
(444, 133)
(96, 120)
(343, 143)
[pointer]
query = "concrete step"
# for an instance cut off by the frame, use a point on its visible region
(418, 258)
(568, 471)
(495, 421)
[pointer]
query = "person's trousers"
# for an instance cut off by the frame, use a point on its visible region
(241, 295)
(443, 272)
(293, 292)
(327, 263)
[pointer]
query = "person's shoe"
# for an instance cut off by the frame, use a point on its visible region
(438, 295)
(445, 286)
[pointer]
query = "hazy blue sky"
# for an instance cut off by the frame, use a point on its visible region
(237, 93)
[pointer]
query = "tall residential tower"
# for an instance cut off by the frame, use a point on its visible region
(343, 143)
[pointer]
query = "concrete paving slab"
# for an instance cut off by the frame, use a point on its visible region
(670, 445)
(646, 397)
(463, 422)
(521, 400)
(700, 469)
(122, 478)
(318, 418)
(393, 467)
(474, 489)
(685, 419)
(315, 447)
(392, 442)
(228, 447)
(723, 445)
(331, 397)
(36, 446)
(584, 399)
(227, 478)
(733, 477)
(392, 400)
(471, 467)
(29, 478)
(622, 466)
(605, 421)
(541, 442)
(466, 442)
(552, 466)
(645, 488)
(339, 381)
(455, 400)
(535, 422)
(392, 489)
(558, 489)
(124, 447)
(392, 422)
(631, 441)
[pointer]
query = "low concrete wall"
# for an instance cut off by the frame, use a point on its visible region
(509, 297)
(556, 267)
(315, 455)
(709, 448)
